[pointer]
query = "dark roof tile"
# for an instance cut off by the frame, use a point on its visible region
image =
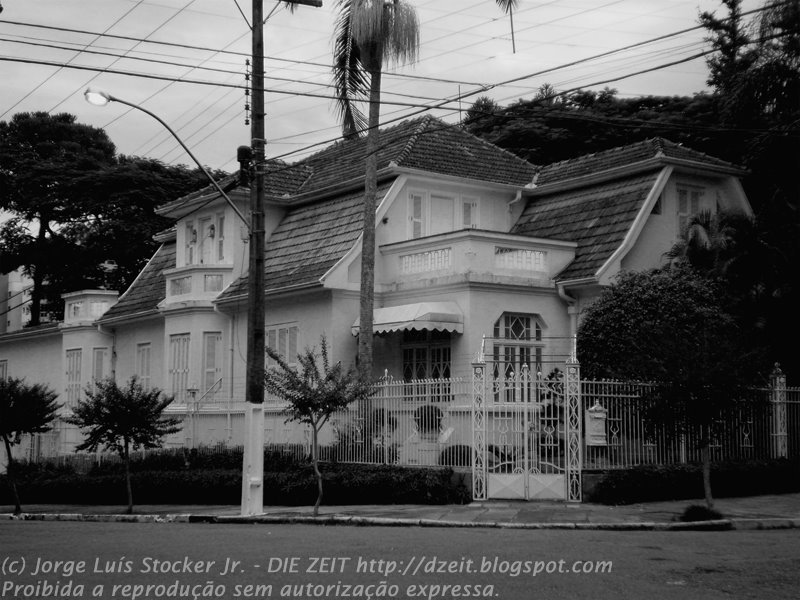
(596, 217)
(591, 164)
(310, 240)
(149, 288)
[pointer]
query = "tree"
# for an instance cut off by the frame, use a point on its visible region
(82, 216)
(42, 157)
(24, 409)
(729, 36)
(670, 327)
(759, 97)
(314, 394)
(368, 33)
(483, 107)
(508, 7)
(122, 420)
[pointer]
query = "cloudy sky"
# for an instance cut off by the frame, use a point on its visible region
(185, 61)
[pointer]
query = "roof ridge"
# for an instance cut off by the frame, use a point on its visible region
(424, 122)
(606, 152)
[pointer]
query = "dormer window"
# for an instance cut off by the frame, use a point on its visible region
(690, 203)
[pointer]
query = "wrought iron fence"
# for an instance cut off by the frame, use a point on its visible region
(429, 422)
(621, 429)
(419, 422)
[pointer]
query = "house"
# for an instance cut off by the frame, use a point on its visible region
(477, 251)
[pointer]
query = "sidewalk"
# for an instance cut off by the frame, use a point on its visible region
(756, 512)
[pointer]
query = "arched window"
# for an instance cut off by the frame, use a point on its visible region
(517, 342)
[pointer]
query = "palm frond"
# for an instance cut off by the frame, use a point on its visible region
(349, 76)
(507, 5)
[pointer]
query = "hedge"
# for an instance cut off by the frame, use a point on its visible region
(685, 482)
(343, 484)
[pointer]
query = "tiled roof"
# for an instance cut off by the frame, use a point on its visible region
(31, 329)
(310, 240)
(596, 217)
(149, 288)
(624, 155)
(425, 143)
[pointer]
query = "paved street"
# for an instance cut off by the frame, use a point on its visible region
(484, 562)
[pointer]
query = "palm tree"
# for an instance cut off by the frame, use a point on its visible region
(369, 32)
(708, 241)
(508, 6)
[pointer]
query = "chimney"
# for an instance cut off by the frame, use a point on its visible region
(244, 155)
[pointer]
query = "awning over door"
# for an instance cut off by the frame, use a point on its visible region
(438, 316)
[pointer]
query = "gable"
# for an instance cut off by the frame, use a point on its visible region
(597, 217)
(309, 241)
(148, 289)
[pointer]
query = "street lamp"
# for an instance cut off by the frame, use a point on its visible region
(253, 462)
(101, 98)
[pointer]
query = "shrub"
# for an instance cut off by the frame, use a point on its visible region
(457, 456)
(699, 512)
(345, 484)
(428, 418)
(684, 482)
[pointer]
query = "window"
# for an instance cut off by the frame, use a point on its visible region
(72, 391)
(517, 342)
(143, 364)
(180, 285)
(3, 369)
(212, 282)
(190, 243)
(75, 309)
(416, 220)
(690, 202)
(179, 366)
(469, 212)
(426, 359)
(220, 238)
(212, 364)
(98, 363)
(283, 339)
(434, 213)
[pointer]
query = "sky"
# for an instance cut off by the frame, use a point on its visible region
(185, 61)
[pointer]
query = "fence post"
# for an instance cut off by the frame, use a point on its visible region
(479, 430)
(574, 415)
(778, 404)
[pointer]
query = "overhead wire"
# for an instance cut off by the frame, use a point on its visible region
(408, 105)
(78, 53)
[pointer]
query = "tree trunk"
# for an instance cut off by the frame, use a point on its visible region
(368, 241)
(705, 453)
(315, 463)
(127, 458)
(12, 476)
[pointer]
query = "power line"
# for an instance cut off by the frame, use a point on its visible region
(78, 53)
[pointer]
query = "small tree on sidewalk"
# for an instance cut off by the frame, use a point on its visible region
(122, 420)
(24, 409)
(314, 394)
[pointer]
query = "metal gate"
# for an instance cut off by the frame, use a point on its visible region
(526, 435)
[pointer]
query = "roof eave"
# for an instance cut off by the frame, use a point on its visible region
(457, 179)
(649, 164)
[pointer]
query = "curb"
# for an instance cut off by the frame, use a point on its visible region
(741, 524)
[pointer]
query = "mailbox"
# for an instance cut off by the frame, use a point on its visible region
(596, 425)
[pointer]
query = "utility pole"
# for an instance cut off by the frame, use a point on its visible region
(253, 460)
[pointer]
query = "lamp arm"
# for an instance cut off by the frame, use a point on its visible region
(189, 152)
